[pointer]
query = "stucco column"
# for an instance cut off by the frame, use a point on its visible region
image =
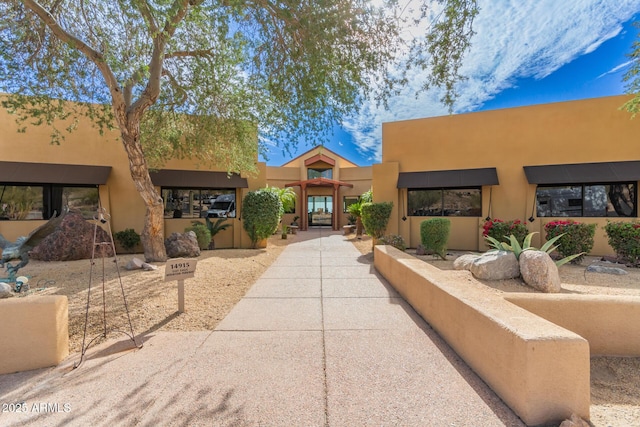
(334, 215)
(304, 215)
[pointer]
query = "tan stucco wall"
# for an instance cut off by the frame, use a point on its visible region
(35, 332)
(541, 370)
(611, 324)
(343, 170)
(585, 131)
(85, 146)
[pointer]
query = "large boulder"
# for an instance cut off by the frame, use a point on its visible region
(495, 265)
(72, 240)
(5, 290)
(539, 271)
(463, 262)
(182, 245)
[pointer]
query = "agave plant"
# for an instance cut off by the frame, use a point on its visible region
(514, 246)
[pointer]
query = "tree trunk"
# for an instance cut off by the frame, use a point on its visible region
(359, 227)
(152, 236)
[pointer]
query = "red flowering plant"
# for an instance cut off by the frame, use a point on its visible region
(501, 230)
(576, 238)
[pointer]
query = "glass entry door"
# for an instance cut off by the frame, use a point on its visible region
(320, 210)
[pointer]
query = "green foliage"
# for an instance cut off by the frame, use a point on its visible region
(577, 238)
(367, 197)
(514, 246)
(127, 238)
(260, 214)
(501, 230)
(434, 235)
(203, 235)
(375, 217)
(395, 240)
(287, 197)
(624, 238)
(217, 226)
(632, 78)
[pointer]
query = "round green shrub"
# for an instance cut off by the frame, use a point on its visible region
(203, 235)
(127, 238)
(375, 217)
(577, 238)
(624, 238)
(260, 214)
(434, 235)
(394, 240)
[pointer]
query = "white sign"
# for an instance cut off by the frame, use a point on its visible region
(179, 269)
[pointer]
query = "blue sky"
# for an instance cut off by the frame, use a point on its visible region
(524, 53)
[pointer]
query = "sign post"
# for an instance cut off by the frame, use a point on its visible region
(180, 269)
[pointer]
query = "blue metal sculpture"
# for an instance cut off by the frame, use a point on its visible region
(21, 247)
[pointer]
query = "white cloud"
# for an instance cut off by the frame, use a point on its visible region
(513, 40)
(616, 69)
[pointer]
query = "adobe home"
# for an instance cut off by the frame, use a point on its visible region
(537, 164)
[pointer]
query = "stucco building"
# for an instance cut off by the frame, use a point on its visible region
(565, 160)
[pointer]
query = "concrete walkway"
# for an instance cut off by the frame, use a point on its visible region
(319, 340)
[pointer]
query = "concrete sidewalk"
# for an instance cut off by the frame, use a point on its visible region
(319, 340)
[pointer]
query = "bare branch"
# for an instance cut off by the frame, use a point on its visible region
(92, 54)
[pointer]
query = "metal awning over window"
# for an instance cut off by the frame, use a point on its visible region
(53, 173)
(197, 179)
(581, 173)
(448, 178)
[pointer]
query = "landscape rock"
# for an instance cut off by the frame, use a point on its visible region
(495, 265)
(574, 421)
(72, 240)
(606, 270)
(5, 290)
(539, 271)
(463, 262)
(420, 250)
(134, 264)
(182, 245)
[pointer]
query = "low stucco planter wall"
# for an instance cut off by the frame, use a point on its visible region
(34, 333)
(541, 370)
(611, 324)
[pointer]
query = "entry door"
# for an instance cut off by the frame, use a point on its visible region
(320, 210)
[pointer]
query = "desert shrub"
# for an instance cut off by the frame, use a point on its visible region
(502, 230)
(434, 235)
(203, 235)
(577, 238)
(624, 238)
(394, 240)
(127, 238)
(260, 214)
(375, 217)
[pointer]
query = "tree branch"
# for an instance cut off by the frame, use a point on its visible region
(92, 54)
(191, 53)
(152, 90)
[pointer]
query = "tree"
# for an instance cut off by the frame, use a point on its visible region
(260, 214)
(287, 198)
(632, 77)
(204, 78)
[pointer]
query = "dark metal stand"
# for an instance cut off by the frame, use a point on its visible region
(103, 217)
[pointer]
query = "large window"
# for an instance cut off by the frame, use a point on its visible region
(199, 202)
(40, 201)
(587, 200)
(319, 173)
(445, 202)
(348, 201)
